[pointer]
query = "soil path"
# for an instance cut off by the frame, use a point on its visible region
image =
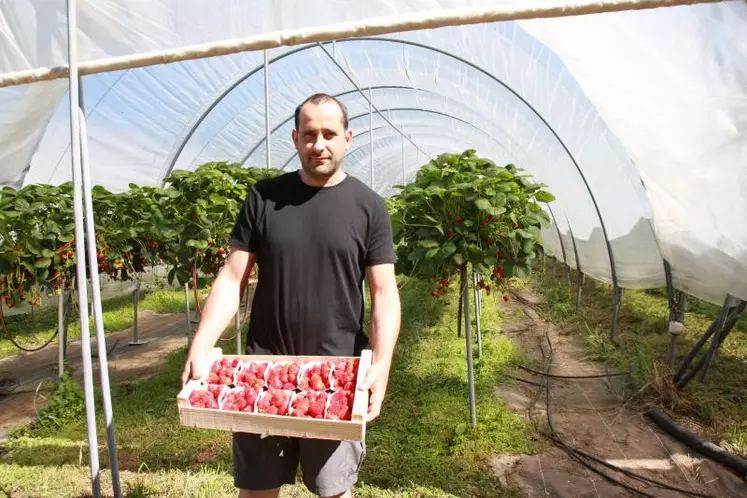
(589, 415)
(160, 334)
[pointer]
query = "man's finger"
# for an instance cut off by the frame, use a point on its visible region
(371, 377)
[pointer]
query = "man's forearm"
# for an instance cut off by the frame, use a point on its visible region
(385, 324)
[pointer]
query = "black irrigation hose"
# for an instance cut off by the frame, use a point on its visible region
(555, 376)
(578, 454)
(707, 448)
(530, 382)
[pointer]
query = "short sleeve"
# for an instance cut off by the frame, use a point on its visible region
(380, 248)
(245, 234)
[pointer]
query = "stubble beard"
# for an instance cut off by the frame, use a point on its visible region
(321, 172)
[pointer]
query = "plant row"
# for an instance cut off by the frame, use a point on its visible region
(185, 226)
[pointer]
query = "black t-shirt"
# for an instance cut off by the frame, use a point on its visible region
(313, 245)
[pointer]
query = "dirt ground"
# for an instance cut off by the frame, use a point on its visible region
(160, 334)
(589, 415)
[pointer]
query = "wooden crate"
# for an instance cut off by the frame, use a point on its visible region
(278, 425)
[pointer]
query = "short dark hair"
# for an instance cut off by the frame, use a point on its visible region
(319, 98)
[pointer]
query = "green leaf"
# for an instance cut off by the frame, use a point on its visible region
(483, 204)
(47, 253)
(66, 237)
(543, 196)
(432, 252)
(42, 263)
(458, 258)
(22, 204)
(428, 243)
(449, 248)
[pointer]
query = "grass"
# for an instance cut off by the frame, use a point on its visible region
(421, 445)
(32, 330)
(716, 409)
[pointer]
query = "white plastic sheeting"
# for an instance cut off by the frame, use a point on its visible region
(606, 99)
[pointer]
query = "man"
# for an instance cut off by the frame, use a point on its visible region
(314, 233)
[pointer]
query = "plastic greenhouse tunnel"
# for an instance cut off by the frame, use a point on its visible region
(632, 113)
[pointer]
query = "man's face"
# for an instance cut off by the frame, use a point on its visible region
(321, 140)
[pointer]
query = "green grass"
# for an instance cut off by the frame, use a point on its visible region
(33, 330)
(718, 406)
(421, 445)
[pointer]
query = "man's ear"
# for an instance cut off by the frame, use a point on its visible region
(294, 135)
(348, 138)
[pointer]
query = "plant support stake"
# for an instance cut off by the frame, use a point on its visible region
(468, 340)
(189, 317)
(476, 295)
(61, 333)
(135, 298)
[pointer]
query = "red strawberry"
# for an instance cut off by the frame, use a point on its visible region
(458, 219)
(505, 298)
(451, 235)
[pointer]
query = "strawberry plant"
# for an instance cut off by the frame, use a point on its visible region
(202, 211)
(462, 209)
(36, 241)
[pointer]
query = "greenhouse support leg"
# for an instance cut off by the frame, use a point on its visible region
(567, 277)
(468, 340)
(476, 293)
(97, 310)
(61, 335)
(237, 326)
(189, 317)
(135, 300)
(720, 335)
(80, 248)
(675, 330)
(579, 285)
(616, 298)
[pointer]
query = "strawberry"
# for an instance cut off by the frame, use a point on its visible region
(451, 235)
(240, 399)
(309, 404)
(224, 369)
(505, 298)
(202, 399)
(341, 406)
(458, 219)
(274, 402)
(345, 373)
(284, 375)
(252, 374)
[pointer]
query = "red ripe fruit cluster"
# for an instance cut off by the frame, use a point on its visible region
(345, 374)
(284, 376)
(316, 378)
(222, 371)
(240, 400)
(309, 404)
(274, 402)
(252, 375)
(202, 399)
(340, 406)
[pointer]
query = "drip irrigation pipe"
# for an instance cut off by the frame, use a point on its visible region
(556, 376)
(702, 446)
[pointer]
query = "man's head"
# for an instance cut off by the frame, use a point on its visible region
(321, 136)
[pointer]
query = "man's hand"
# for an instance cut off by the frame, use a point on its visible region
(375, 382)
(195, 367)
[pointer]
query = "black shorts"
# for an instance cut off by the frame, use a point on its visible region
(328, 467)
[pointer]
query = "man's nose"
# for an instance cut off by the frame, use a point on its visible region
(319, 143)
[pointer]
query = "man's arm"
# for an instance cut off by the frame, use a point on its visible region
(385, 324)
(221, 305)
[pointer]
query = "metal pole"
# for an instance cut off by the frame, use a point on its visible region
(189, 317)
(468, 339)
(80, 249)
(730, 303)
(98, 314)
(404, 178)
(267, 111)
(616, 298)
(135, 300)
(370, 133)
(61, 332)
(237, 326)
(476, 294)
